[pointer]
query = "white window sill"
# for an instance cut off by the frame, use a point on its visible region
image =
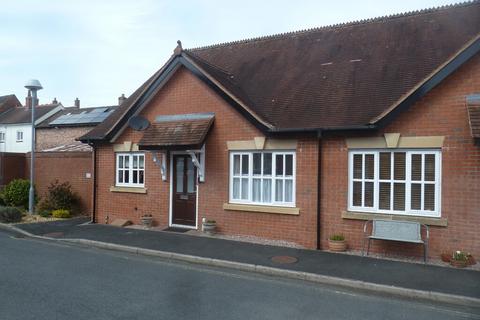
(439, 222)
(262, 209)
(128, 189)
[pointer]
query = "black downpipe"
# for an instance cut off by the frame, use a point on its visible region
(319, 185)
(94, 196)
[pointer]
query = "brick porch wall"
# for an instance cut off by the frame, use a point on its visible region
(441, 112)
(184, 93)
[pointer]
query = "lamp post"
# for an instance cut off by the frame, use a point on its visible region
(33, 86)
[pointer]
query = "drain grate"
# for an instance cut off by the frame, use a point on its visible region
(18, 236)
(284, 259)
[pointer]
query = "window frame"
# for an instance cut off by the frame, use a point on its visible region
(19, 132)
(3, 136)
(273, 177)
(130, 169)
(408, 182)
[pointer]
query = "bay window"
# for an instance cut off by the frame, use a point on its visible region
(264, 178)
(130, 169)
(395, 182)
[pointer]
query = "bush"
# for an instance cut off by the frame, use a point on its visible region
(60, 196)
(10, 214)
(337, 237)
(16, 193)
(60, 213)
(44, 213)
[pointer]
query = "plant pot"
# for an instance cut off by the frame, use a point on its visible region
(471, 261)
(446, 257)
(337, 246)
(147, 221)
(458, 263)
(209, 227)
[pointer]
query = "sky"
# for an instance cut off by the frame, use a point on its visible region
(98, 49)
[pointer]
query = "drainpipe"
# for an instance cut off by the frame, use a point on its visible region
(319, 185)
(94, 196)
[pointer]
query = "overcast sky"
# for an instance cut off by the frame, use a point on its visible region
(96, 50)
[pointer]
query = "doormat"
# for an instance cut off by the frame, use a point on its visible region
(173, 229)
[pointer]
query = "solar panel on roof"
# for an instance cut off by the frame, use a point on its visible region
(98, 110)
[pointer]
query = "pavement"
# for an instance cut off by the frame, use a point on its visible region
(441, 284)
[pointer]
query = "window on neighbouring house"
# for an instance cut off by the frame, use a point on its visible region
(395, 182)
(266, 178)
(2, 136)
(130, 169)
(19, 136)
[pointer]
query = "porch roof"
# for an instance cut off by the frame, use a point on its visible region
(177, 132)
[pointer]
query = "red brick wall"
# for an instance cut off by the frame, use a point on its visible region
(12, 166)
(47, 138)
(64, 166)
(184, 93)
(442, 112)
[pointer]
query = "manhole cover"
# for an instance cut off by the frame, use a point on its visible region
(284, 259)
(54, 234)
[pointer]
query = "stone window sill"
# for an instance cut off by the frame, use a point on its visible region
(262, 209)
(128, 189)
(439, 222)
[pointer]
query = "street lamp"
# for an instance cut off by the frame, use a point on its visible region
(33, 86)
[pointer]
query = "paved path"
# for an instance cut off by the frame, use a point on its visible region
(378, 271)
(49, 280)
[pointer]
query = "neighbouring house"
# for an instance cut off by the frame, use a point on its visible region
(61, 157)
(16, 124)
(301, 135)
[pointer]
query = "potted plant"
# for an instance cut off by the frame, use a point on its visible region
(459, 259)
(337, 243)
(209, 226)
(470, 260)
(147, 220)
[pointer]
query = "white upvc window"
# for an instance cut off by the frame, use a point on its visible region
(263, 178)
(406, 182)
(2, 136)
(19, 136)
(130, 170)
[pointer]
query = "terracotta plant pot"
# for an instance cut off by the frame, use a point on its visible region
(337, 246)
(147, 221)
(471, 261)
(458, 263)
(446, 257)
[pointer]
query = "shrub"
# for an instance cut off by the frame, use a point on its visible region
(16, 193)
(460, 256)
(337, 237)
(10, 214)
(44, 213)
(61, 213)
(60, 196)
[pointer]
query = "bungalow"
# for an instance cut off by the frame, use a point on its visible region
(301, 135)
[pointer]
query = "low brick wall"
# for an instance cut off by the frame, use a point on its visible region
(74, 167)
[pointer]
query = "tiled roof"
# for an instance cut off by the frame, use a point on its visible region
(340, 76)
(8, 101)
(473, 107)
(73, 147)
(173, 131)
(24, 114)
